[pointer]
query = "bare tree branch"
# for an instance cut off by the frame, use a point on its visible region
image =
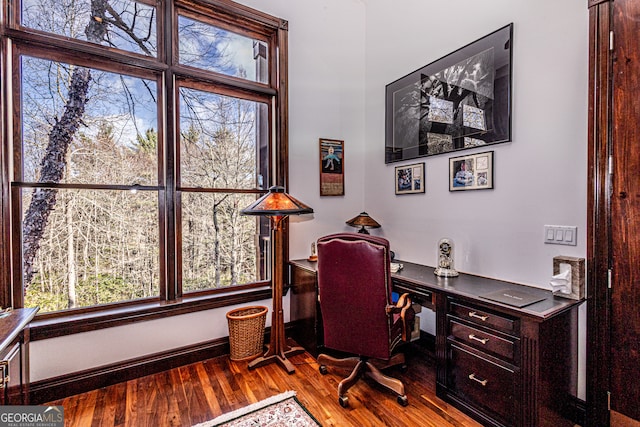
(118, 22)
(53, 163)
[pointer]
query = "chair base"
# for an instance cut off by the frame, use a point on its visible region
(371, 368)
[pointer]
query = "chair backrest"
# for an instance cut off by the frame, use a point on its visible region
(354, 284)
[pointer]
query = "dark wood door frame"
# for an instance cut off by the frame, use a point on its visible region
(613, 247)
(598, 210)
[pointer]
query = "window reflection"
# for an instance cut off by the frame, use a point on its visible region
(211, 48)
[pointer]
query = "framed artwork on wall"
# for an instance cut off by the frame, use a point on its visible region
(331, 167)
(410, 179)
(472, 172)
(460, 101)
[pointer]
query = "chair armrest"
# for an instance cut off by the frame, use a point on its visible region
(403, 307)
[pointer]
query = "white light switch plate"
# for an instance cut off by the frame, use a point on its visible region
(561, 234)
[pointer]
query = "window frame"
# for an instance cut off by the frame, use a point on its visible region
(17, 40)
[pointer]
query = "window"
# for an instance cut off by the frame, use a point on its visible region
(122, 24)
(134, 147)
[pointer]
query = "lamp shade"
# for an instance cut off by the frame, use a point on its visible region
(276, 203)
(363, 220)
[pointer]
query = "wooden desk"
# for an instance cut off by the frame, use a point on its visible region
(503, 365)
(14, 356)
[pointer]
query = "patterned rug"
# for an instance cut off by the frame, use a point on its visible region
(282, 410)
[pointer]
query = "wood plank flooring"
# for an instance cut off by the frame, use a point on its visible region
(201, 391)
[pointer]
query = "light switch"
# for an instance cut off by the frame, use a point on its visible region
(561, 234)
(568, 235)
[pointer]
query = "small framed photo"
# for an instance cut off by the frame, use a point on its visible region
(472, 172)
(410, 179)
(331, 167)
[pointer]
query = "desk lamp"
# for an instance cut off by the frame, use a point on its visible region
(363, 220)
(277, 205)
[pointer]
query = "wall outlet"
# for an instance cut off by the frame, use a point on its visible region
(561, 234)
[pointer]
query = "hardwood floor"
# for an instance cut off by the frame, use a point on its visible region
(201, 391)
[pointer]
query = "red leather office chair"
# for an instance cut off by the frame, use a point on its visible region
(354, 285)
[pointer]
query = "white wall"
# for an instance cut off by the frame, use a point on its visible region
(72, 353)
(342, 53)
(326, 100)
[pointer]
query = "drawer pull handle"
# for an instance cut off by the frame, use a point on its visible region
(4, 373)
(477, 316)
(475, 338)
(473, 377)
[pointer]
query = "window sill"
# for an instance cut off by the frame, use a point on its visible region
(74, 323)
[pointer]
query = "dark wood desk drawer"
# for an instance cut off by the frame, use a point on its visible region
(484, 317)
(482, 340)
(484, 384)
(421, 296)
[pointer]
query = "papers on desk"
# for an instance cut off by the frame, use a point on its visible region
(396, 266)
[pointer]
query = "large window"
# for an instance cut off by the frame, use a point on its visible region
(137, 131)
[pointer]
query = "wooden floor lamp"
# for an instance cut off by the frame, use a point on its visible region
(277, 205)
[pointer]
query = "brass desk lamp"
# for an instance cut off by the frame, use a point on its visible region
(363, 220)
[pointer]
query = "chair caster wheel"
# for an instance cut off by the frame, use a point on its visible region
(403, 401)
(323, 369)
(343, 401)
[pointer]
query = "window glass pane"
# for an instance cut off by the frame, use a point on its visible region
(214, 49)
(122, 24)
(222, 143)
(84, 125)
(97, 247)
(220, 247)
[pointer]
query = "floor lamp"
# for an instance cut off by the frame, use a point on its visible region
(277, 205)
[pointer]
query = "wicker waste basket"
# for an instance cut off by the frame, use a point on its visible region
(246, 331)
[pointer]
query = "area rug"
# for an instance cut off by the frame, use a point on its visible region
(282, 410)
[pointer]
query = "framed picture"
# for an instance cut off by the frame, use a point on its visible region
(410, 179)
(460, 101)
(472, 172)
(331, 167)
